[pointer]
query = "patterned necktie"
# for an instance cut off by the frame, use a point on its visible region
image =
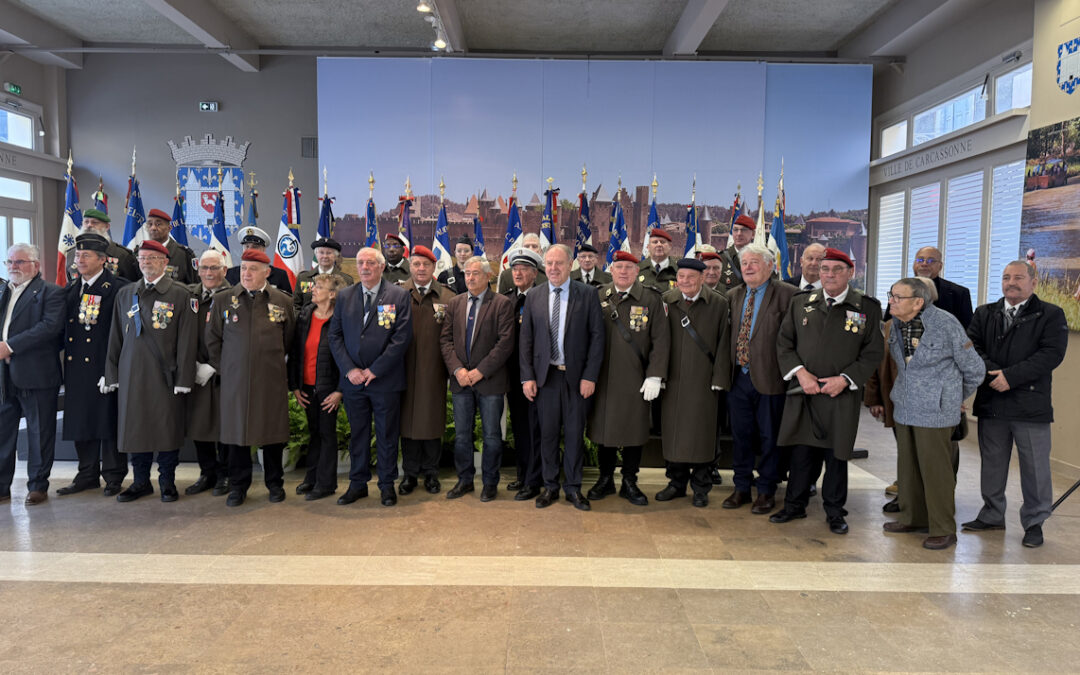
(742, 343)
(553, 328)
(470, 324)
(830, 302)
(1010, 316)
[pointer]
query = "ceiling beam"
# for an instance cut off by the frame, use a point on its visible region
(451, 21)
(23, 28)
(904, 26)
(697, 19)
(207, 24)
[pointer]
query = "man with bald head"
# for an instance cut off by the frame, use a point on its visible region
(810, 264)
(953, 298)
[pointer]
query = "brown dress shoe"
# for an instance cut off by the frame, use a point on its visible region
(938, 543)
(763, 504)
(36, 497)
(896, 527)
(736, 499)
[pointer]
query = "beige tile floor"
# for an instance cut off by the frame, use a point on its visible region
(90, 585)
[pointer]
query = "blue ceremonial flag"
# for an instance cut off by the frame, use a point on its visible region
(478, 237)
(618, 241)
(179, 227)
(778, 238)
(654, 222)
(405, 222)
(69, 229)
(549, 223)
(371, 239)
(219, 238)
(513, 232)
(135, 217)
(325, 229)
(584, 228)
(737, 209)
(441, 245)
(693, 234)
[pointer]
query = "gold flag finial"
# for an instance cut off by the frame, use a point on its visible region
(251, 180)
(442, 190)
(584, 175)
(290, 177)
(133, 160)
(219, 174)
(618, 190)
(514, 181)
(655, 185)
(760, 185)
(408, 187)
(371, 185)
(550, 181)
(325, 189)
(71, 162)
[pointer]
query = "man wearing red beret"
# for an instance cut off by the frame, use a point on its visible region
(182, 265)
(658, 270)
(250, 331)
(742, 233)
(714, 268)
(828, 345)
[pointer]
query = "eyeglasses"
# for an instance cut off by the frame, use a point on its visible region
(926, 261)
(898, 298)
(211, 268)
(149, 258)
(16, 263)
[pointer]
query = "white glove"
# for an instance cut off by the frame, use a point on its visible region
(181, 390)
(716, 388)
(203, 373)
(650, 389)
(102, 387)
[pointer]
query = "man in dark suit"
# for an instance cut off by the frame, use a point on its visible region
(477, 339)
(89, 415)
(757, 394)
(588, 271)
(31, 326)
(524, 419)
(257, 238)
(369, 336)
(562, 347)
(953, 298)
(454, 278)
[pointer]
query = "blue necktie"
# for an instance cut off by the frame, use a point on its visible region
(556, 310)
(469, 324)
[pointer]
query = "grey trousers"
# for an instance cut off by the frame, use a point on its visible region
(1032, 439)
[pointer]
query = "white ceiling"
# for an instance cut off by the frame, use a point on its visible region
(60, 31)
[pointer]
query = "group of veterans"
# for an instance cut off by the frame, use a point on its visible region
(156, 347)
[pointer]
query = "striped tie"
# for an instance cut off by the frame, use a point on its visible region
(554, 327)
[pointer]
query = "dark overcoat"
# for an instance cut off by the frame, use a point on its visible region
(423, 406)
(204, 403)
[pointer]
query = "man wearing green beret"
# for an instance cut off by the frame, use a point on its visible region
(118, 259)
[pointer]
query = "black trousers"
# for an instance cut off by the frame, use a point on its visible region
(322, 457)
(631, 460)
(561, 409)
(99, 459)
(420, 457)
(698, 476)
(240, 466)
(525, 421)
(213, 459)
(806, 462)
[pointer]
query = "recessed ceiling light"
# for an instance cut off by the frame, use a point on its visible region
(424, 6)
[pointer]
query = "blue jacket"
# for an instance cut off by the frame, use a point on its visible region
(944, 370)
(35, 335)
(380, 343)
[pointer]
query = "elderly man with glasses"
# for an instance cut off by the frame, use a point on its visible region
(31, 328)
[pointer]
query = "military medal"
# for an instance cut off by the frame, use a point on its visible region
(854, 321)
(440, 311)
(638, 318)
(112, 264)
(171, 271)
(89, 310)
(386, 315)
(276, 312)
(305, 286)
(161, 314)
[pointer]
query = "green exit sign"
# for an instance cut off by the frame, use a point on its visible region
(12, 88)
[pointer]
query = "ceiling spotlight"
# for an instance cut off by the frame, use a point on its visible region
(424, 7)
(440, 41)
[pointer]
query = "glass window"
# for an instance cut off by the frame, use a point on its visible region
(12, 188)
(963, 225)
(957, 113)
(1006, 202)
(894, 138)
(890, 244)
(923, 228)
(4, 241)
(1013, 89)
(16, 129)
(20, 231)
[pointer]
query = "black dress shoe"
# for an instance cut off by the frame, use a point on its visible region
(201, 484)
(459, 490)
(813, 489)
(701, 500)
(547, 498)
(838, 525)
(112, 489)
(388, 497)
(669, 493)
(715, 477)
(605, 485)
(981, 526)
(76, 488)
(169, 493)
(407, 485)
(316, 493)
(515, 485)
(489, 492)
(352, 494)
(221, 487)
(277, 494)
(892, 506)
(630, 492)
(786, 516)
(1033, 536)
(579, 501)
(304, 488)
(134, 491)
(432, 485)
(236, 498)
(526, 493)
